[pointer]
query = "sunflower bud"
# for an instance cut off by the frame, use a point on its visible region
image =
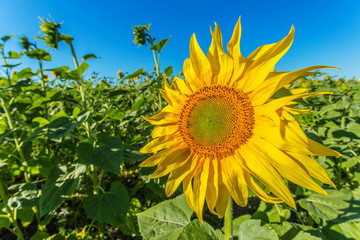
(51, 32)
(45, 78)
(141, 34)
(120, 74)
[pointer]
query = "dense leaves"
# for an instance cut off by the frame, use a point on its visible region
(70, 145)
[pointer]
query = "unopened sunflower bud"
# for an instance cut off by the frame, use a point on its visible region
(45, 77)
(120, 74)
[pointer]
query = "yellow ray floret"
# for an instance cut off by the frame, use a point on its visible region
(221, 130)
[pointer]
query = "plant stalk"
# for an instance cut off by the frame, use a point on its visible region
(156, 64)
(11, 213)
(228, 221)
(16, 140)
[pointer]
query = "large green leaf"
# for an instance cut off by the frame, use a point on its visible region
(13, 55)
(60, 184)
(27, 196)
(77, 73)
(138, 103)
(39, 54)
(60, 127)
(337, 206)
(110, 207)
(108, 156)
(165, 220)
(137, 73)
(196, 230)
(343, 231)
(252, 230)
(159, 45)
(4, 218)
(288, 231)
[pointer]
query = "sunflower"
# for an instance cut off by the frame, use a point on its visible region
(229, 125)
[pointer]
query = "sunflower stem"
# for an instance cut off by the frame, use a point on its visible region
(228, 220)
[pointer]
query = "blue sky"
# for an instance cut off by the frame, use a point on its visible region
(326, 32)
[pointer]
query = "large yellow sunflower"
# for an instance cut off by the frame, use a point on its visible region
(223, 127)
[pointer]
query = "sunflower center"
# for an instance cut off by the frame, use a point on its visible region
(216, 120)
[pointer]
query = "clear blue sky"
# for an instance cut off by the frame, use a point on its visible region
(326, 32)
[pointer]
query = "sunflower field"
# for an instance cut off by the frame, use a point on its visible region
(72, 142)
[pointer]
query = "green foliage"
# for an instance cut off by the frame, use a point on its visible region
(70, 145)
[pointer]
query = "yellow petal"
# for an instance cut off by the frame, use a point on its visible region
(180, 86)
(161, 143)
(223, 197)
(258, 191)
(222, 64)
(262, 170)
(265, 63)
(313, 167)
(199, 62)
(234, 52)
(233, 177)
(154, 159)
(268, 87)
(176, 99)
(286, 166)
(178, 175)
(159, 131)
(191, 77)
(175, 159)
(212, 191)
(200, 188)
(280, 102)
(318, 149)
(163, 118)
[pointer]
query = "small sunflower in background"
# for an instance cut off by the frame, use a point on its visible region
(226, 125)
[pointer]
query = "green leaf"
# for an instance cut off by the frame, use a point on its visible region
(268, 213)
(115, 114)
(61, 126)
(110, 207)
(252, 230)
(4, 218)
(169, 70)
(7, 37)
(89, 56)
(343, 231)
(138, 103)
(159, 45)
(25, 73)
(60, 184)
(165, 220)
(41, 121)
(337, 206)
(130, 225)
(26, 215)
(236, 225)
(14, 55)
(27, 196)
(195, 230)
(39, 54)
(59, 70)
(108, 156)
(295, 232)
(68, 39)
(77, 73)
(137, 73)
(11, 65)
(39, 236)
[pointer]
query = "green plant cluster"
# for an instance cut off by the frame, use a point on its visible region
(69, 155)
